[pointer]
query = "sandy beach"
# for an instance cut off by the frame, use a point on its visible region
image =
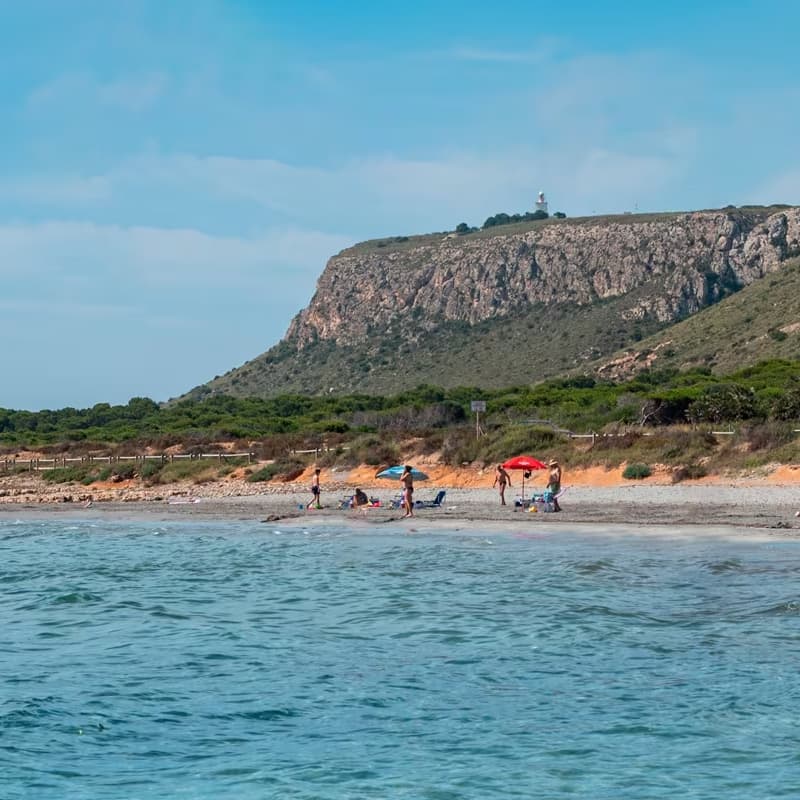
(734, 503)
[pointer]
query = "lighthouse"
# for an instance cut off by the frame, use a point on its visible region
(541, 203)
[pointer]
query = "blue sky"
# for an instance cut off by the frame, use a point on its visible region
(174, 176)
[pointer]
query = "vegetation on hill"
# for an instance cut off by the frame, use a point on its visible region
(402, 243)
(759, 322)
(508, 219)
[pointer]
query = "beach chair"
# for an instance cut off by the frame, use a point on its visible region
(547, 500)
(435, 503)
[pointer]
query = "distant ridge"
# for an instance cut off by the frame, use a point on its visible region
(519, 303)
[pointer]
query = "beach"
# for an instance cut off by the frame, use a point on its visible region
(742, 503)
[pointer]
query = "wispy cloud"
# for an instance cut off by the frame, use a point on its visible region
(58, 190)
(152, 310)
(371, 196)
(185, 260)
(133, 93)
(498, 56)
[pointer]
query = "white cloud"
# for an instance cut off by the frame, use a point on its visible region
(57, 190)
(170, 260)
(375, 196)
(118, 311)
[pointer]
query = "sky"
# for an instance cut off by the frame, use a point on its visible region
(174, 176)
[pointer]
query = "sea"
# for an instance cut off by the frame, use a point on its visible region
(243, 659)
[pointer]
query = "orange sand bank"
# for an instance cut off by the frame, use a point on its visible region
(475, 477)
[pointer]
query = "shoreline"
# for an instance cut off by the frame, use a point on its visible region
(679, 506)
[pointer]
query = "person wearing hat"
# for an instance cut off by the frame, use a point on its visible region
(554, 483)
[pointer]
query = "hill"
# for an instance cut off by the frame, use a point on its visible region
(761, 322)
(513, 304)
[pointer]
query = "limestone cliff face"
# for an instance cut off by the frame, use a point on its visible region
(689, 260)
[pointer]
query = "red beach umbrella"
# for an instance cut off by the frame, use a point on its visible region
(526, 464)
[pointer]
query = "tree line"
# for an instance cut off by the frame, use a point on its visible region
(767, 391)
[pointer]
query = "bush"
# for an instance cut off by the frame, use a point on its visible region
(264, 474)
(372, 450)
(150, 469)
(521, 440)
(460, 447)
(689, 472)
(787, 405)
(507, 219)
(124, 472)
(769, 436)
(284, 470)
(179, 471)
(724, 403)
(636, 472)
(66, 474)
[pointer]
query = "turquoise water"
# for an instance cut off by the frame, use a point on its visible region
(236, 660)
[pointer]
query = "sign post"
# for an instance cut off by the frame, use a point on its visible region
(478, 406)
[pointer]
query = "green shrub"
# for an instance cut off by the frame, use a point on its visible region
(636, 472)
(689, 472)
(373, 450)
(725, 403)
(787, 405)
(150, 469)
(66, 474)
(124, 471)
(264, 474)
(284, 470)
(180, 471)
(519, 440)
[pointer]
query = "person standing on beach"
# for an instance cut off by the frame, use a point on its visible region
(407, 479)
(554, 482)
(315, 490)
(501, 479)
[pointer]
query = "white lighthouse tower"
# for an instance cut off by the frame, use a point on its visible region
(541, 203)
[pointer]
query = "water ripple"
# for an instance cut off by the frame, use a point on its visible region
(226, 660)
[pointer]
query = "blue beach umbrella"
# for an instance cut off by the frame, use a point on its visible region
(396, 472)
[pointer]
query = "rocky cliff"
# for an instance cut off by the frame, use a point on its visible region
(394, 313)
